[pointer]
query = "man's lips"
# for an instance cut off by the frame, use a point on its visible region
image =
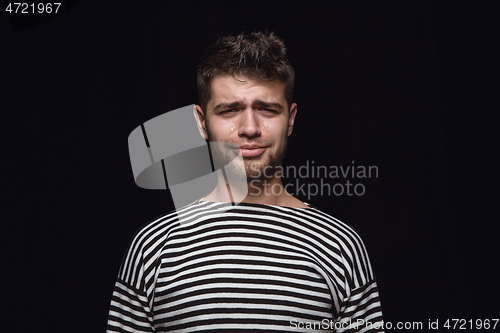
(251, 150)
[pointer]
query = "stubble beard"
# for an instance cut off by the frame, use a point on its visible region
(258, 170)
(255, 169)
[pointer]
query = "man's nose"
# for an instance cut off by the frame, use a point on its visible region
(249, 124)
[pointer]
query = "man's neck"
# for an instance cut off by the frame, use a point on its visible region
(266, 191)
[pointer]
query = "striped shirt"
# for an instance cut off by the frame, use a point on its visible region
(245, 268)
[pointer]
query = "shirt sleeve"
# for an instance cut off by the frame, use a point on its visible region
(361, 310)
(360, 307)
(129, 310)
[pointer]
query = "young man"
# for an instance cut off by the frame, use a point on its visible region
(270, 263)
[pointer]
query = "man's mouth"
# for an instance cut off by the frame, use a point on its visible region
(251, 150)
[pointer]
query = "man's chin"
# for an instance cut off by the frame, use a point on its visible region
(257, 170)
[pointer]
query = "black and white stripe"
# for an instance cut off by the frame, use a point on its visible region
(248, 267)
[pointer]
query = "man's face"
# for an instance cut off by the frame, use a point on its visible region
(252, 115)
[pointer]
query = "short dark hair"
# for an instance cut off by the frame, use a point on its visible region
(259, 56)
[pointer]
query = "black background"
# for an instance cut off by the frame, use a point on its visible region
(411, 87)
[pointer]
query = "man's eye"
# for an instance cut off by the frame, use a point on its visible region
(228, 111)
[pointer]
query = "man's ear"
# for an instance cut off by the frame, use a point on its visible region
(291, 117)
(200, 121)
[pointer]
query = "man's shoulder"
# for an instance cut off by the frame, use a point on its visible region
(352, 247)
(322, 220)
(161, 227)
(163, 224)
(321, 214)
(331, 231)
(310, 221)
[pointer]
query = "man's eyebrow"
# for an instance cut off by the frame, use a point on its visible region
(259, 102)
(268, 104)
(223, 106)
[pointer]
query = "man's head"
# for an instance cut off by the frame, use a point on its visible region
(245, 84)
(258, 56)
